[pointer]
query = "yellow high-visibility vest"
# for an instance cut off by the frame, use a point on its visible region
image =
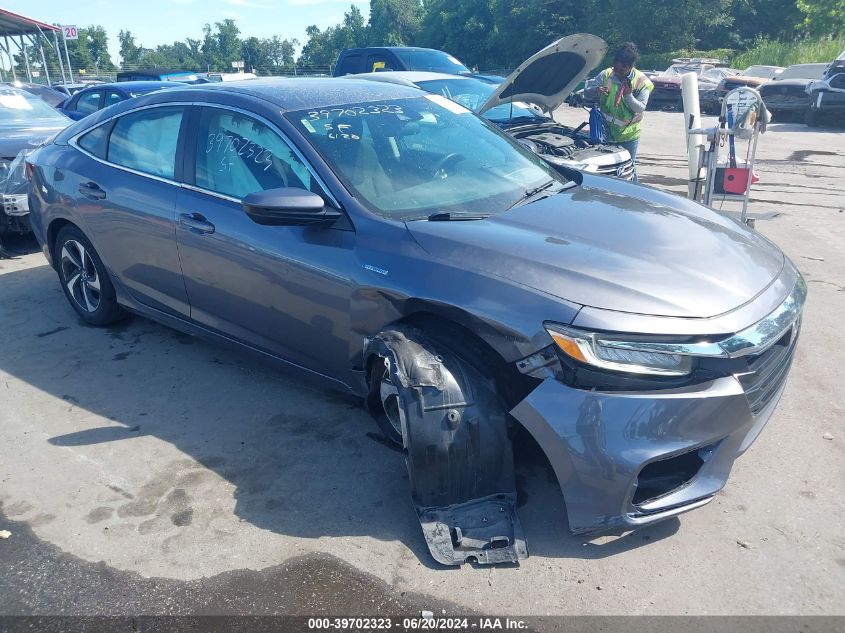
(621, 123)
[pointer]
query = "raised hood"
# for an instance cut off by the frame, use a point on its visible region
(550, 75)
(614, 246)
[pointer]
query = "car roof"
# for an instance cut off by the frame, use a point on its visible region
(127, 86)
(393, 48)
(413, 76)
(154, 72)
(302, 93)
(284, 94)
(815, 64)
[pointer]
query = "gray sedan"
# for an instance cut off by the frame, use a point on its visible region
(394, 245)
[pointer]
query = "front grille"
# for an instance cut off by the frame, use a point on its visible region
(773, 91)
(624, 170)
(768, 370)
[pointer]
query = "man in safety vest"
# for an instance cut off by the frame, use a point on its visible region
(622, 92)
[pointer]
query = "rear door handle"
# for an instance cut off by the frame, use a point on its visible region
(196, 223)
(92, 190)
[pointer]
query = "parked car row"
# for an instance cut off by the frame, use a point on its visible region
(827, 95)
(808, 92)
(787, 94)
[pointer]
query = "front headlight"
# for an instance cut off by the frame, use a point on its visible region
(568, 162)
(588, 348)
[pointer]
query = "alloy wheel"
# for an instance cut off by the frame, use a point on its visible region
(80, 276)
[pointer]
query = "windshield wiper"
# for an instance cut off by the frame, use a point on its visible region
(530, 193)
(445, 216)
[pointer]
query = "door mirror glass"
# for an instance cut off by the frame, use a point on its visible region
(288, 206)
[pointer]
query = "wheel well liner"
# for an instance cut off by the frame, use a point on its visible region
(457, 443)
(465, 338)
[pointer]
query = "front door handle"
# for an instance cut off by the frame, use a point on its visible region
(196, 223)
(92, 190)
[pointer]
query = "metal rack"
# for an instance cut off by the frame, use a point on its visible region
(743, 118)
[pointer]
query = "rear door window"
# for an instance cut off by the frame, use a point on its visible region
(96, 141)
(112, 97)
(147, 140)
(89, 102)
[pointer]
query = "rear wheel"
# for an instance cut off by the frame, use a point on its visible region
(85, 281)
(811, 117)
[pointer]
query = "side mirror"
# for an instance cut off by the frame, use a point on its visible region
(288, 206)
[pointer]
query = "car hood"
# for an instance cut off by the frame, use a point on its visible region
(667, 79)
(15, 139)
(752, 82)
(785, 83)
(612, 245)
(550, 75)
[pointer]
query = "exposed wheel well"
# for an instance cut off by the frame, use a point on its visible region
(512, 385)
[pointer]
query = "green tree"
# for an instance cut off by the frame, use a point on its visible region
(98, 47)
(228, 43)
(659, 25)
(322, 47)
(822, 17)
(90, 52)
(130, 52)
(464, 28)
(394, 22)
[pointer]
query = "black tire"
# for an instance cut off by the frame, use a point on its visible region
(811, 117)
(85, 280)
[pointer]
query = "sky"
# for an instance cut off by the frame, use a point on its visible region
(155, 22)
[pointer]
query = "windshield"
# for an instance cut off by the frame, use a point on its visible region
(682, 69)
(761, 72)
(410, 158)
(18, 107)
(432, 61)
(472, 94)
(803, 71)
(717, 74)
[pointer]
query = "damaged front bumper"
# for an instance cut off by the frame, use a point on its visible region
(628, 459)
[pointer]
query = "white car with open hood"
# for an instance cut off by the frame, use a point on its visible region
(523, 104)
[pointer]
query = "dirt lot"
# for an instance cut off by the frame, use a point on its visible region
(145, 471)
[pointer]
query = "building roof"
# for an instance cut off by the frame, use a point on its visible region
(14, 24)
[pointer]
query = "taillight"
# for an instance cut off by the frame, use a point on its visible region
(30, 170)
